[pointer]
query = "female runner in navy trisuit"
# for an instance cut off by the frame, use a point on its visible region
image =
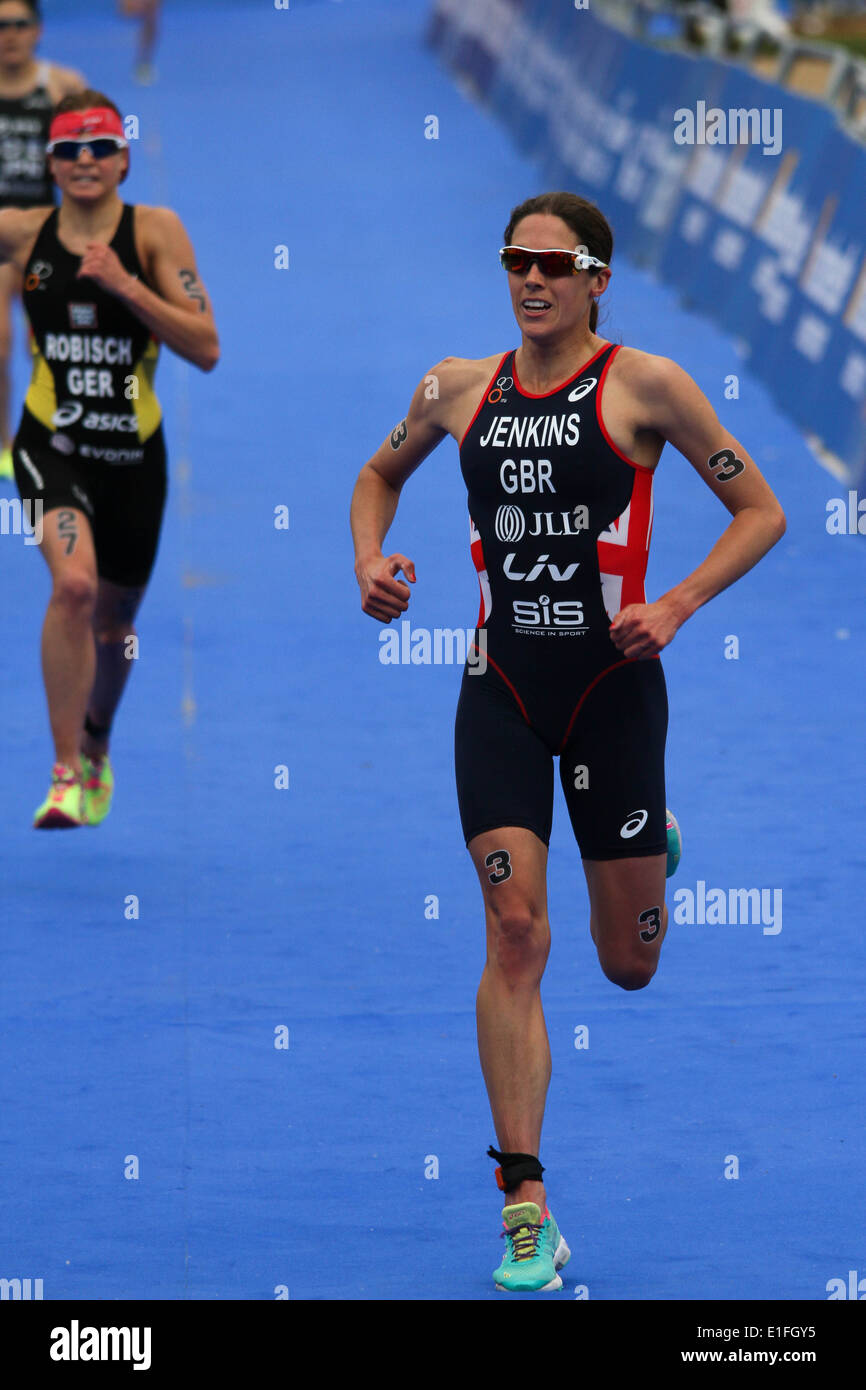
(558, 443)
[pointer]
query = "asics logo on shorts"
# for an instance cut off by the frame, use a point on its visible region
(635, 823)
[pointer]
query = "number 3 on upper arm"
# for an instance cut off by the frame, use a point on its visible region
(732, 467)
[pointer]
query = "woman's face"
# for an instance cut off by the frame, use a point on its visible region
(87, 179)
(548, 306)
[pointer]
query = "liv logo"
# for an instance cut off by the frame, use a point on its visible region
(22, 1289)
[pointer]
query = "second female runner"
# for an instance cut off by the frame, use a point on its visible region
(105, 282)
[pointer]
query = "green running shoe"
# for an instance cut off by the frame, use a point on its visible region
(535, 1251)
(675, 843)
(98, 788)
(64, 807)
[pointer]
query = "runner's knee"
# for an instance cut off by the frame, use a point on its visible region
(75, 591)
(518, 939)
(629, 971)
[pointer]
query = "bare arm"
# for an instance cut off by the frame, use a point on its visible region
(681, 413)
(179, 312)
(18, 231)
(9, 233)
(375, 498)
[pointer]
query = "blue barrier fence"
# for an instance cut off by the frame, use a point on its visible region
(99, 9)
(764, 232)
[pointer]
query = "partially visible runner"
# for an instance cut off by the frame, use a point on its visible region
(559, 439)
(105, 283)
(148, 12)
(29, 90)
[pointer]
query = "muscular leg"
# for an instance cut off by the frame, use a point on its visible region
(148, 12)
(512, 1037)
(68, 656)
(150, 20)
(628, 916)
(116, 607)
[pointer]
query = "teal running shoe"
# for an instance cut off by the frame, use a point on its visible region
(535, 1251)
(675, 843)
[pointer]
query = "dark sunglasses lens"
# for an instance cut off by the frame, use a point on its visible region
(555, 263)
(550, 263)
(515, 261)
(16, 24)
(70, 149)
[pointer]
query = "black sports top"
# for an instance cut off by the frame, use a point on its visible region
(24, 178)
(93, 359)
(560, 523)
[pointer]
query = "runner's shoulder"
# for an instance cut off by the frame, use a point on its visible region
(647, 373)
(19, 228)
(662, 392)
(155, 218)
(454, 377)
(63, 82)
(158, 229)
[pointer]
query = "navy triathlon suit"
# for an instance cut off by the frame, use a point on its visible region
(560, 524)
(90, 436)
(24, 178)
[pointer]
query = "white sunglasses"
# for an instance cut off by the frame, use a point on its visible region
(555, 261)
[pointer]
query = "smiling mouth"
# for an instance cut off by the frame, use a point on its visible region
(535, 306)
